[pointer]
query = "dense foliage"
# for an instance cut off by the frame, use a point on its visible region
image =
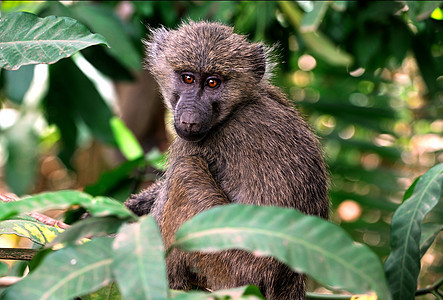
(365, 74)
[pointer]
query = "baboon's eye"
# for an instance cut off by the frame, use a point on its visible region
(213, 82)
(189, 79)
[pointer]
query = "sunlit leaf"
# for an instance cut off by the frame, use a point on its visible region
(139, 255)
(305, 243)
(35, 231)
(403, 264)
(126, 141)
(27, 39)
(66, 273)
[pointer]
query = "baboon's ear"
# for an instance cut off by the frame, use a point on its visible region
(259, 61)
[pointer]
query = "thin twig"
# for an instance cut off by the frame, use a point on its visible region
(432, 288)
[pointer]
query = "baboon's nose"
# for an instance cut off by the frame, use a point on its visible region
(189, 121)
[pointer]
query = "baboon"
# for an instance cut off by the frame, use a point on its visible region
(239, 140)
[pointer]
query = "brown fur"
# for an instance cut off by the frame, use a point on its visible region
(252, 148)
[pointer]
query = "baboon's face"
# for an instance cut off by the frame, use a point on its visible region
(196, 103)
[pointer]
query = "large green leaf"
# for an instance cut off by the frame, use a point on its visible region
(66, 273)
(139, 255)
(103, 19)
(35, 231)
(305, 243)
(27, 39)
(403, 264)
(89, 227)
(99, 206)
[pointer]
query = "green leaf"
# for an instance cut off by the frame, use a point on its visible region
(305, 243)
(110, 179)
(139, 255)
(103, 19)
(403, 264)
(428, 235)
(3, 269)
(100, 206)
(35, 231)
(27, 39)
(89, 227)
(126, 141)
(67, 273)
(83, 103)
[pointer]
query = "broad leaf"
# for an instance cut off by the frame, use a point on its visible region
(99, 206)
(139, 255)
(110, 179)
(89, 227)
(67, 273)
(403, 264)
(305, 243)
(35, 231)
(27, 39)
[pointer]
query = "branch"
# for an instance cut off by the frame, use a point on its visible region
(17, 253)
(431, 289)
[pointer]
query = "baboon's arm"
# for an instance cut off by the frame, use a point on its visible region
(191, 190)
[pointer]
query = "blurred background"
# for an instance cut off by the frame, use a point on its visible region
(366, 75)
